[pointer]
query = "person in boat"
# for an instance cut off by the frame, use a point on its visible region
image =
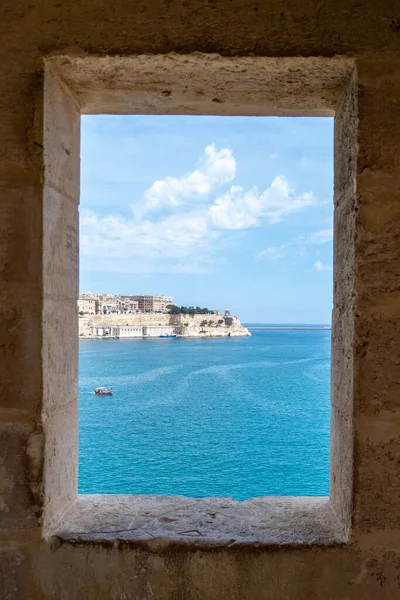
(103, 391)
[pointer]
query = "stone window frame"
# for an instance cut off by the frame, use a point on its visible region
(187, 84)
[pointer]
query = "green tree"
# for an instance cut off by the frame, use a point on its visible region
(174, 309)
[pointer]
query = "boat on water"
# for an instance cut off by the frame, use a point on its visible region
(103, 391)
(168, 335)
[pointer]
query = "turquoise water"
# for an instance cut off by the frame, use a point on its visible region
(238, 417)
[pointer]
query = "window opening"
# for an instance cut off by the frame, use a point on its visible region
(194, 232)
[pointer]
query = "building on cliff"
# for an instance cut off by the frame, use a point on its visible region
(155, 325)
(153, 304)
(106, 304)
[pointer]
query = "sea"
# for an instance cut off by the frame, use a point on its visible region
(230, 417)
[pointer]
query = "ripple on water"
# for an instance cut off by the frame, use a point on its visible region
(231, 417)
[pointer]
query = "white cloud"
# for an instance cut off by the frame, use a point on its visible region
(320, 267)
(171, 231)
(239, 209)
(272, 252)
(115, 243)
(301, 243)
(322, 236)
(217, 167)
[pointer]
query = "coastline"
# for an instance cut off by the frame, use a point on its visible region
(160, 325)
(203, 336)
(288, 328)
(164, 325)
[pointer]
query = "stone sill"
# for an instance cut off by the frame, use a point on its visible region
(158, 521)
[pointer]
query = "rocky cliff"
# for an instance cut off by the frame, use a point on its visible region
(185, 325)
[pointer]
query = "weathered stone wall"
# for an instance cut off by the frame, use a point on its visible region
(108, 320)
(148, 319)
(38, 274)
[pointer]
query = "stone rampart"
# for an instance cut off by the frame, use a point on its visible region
(185, 325)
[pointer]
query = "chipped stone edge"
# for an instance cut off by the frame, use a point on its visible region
(157, 522)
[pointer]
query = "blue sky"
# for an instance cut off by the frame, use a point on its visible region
(223, 212)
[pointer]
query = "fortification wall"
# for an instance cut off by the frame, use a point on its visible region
(186, 325)
(139, 319)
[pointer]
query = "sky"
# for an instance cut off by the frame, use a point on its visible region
(218, 212)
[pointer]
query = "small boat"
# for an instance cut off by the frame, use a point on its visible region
(103, 391)
(168, 335)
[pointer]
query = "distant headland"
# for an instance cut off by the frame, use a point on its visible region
(271, 327)
(151, 316)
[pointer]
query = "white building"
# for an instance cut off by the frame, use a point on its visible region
(153, 304)
(157, 330)
(130, 331)
(128, 304)
(87, 305)
(133, 331)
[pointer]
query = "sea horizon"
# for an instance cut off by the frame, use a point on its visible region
(283, 325)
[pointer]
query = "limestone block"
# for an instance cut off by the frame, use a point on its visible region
(21, 148)
(341, 466)
(344, 252)
(378, 261)
(378, 192)
(342, 361)
(378, 135)
(378, 229)
(60, 352)
(20, 234)
(21, 450)
(14, 566)
(60, 463)
(60, 245)
(345, 142)
(211, 522)
(376, 475)
(20, 354)
(377, 347)
(61, 137)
